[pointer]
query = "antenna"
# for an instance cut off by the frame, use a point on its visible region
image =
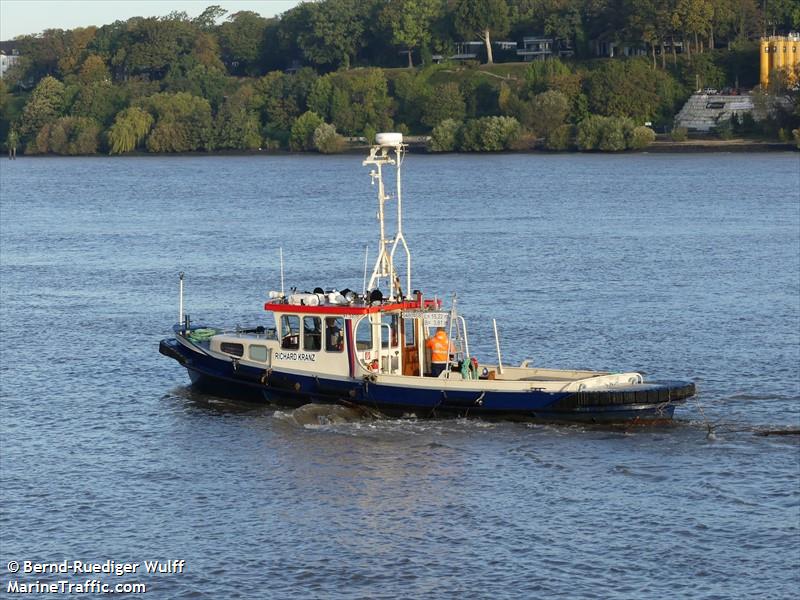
(380, 155)
(180, 298)
(366, 256)
(283, 293)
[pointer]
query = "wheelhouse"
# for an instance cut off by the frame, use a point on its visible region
(356, 336)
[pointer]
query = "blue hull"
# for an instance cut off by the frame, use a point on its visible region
(290, 389)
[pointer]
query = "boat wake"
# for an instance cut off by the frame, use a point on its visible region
(313, 416)
(358, 421)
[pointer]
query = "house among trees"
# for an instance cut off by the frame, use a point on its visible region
(611, 49)
(9, 56)
(539, 48)
(467, 51)
(476, 50)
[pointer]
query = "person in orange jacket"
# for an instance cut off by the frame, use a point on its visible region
(440, 351)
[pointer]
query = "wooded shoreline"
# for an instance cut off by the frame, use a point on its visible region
(419, 148)
(326, 71)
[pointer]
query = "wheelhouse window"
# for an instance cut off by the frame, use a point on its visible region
(364, 334)
(312, 334)
(334, 334)
(389, 335)
(409, 330)
(233, 349)
(257, 353)
(290, 332)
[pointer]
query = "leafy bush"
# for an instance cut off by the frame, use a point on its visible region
(612, 136)
(511, 105)
(524, 141)
(444, 136)
(489, 134)
(183, 123)
(549, 111)
(559, 139)
(69, 136)
(642, 137)
(724, 129)
(589, 132)
(679, 134)
(796, 134)
(541, 74)
(609, 134)
(302, 136)
(326, 140)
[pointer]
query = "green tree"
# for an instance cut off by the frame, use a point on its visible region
(302, 137)
(631, 88)
(326, 140)
(511, 105)
(642, 137)
(100, 101)
(443, 102)
(559, 138)
(489, 134)
(45, 105)
(444, 136)
(93, 70)
(129, 129)
(150, 47)
(206, 52)
(609, 134)
(540, 74)
(237, 125)
(482, 18)
(74, 50)
(240, 39)
(319, 100)
(69, 136)
(183, 123)
(549, 111)
(207, 19)
(333, 32)
(281, 99)
(694, 17)
(207, 82)
(360, 98)
(410, 22)
(41, 53)
(410, 92)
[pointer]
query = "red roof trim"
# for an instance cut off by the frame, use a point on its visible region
(347, 310)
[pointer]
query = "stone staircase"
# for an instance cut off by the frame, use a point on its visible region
(702, 111)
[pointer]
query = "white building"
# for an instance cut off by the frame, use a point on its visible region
(7, 61)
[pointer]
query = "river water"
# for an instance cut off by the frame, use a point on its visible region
(679, 266)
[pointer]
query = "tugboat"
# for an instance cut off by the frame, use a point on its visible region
(374, 350)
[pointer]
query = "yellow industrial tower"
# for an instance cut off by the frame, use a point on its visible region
(779, 52)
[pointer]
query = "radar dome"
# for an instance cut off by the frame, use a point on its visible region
(389, 139)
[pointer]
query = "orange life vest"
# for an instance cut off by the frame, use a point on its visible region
(440, 347)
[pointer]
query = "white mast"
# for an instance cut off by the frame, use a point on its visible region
(380, 155)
